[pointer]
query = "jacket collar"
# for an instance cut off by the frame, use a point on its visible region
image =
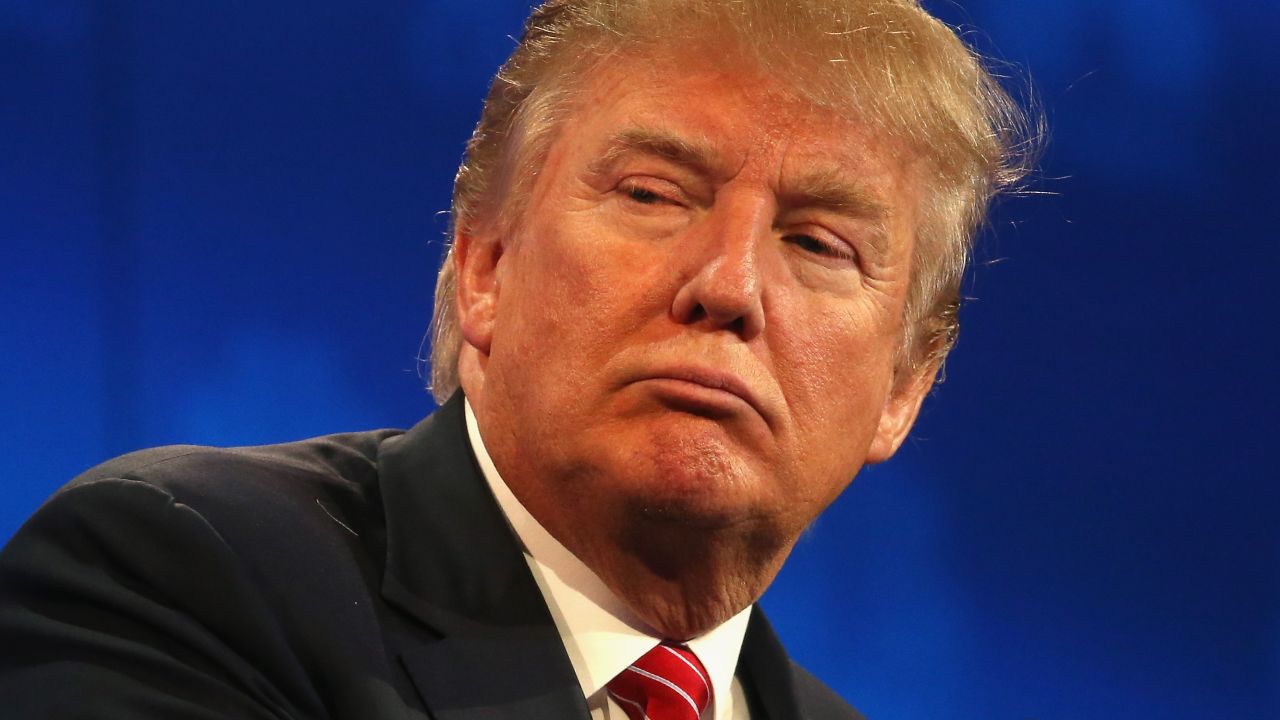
(454, 564)
(766, 672)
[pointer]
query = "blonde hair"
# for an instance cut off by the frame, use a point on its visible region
(886, 62)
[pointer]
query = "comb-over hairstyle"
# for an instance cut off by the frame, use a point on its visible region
(886, 63)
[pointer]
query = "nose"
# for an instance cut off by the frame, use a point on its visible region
(724, 289)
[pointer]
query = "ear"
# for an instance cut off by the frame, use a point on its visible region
(475, 258)
(900, 411)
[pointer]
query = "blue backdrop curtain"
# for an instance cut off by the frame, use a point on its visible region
(221, 223)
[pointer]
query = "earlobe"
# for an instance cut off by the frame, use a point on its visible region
(900, 412)
(475, 258)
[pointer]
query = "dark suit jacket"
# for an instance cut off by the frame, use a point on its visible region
(360, 576)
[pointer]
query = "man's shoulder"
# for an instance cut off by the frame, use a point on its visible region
(782, 685)
(817, 700)
(201, 573)
(342, 457)
(267, 475)
(281, 495)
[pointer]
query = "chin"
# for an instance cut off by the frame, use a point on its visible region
(678, 469)
(701, 489)
(701, 512)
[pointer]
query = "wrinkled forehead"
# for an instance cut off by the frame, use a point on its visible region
(722, 113)
(840, 76)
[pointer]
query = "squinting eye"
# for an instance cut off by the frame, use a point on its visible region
(643, 195)
(811, 244)
(650, 191)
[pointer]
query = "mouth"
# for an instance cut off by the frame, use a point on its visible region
(703, 391)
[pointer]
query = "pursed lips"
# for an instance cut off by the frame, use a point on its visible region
(710, 379)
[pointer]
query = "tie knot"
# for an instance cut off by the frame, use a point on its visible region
(666, 683)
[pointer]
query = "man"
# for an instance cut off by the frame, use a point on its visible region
(704, 267)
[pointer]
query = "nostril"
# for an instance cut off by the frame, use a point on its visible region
(700, 302)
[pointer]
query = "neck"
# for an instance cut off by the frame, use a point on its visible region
(692, 583)
(679, 570)
(679, 576)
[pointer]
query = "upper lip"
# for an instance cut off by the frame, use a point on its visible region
(713, 378)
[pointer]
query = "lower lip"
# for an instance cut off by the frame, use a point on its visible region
(696, 398)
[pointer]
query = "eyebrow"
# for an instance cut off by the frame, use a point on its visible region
(693, 154)
(828, 190)
(824, 189)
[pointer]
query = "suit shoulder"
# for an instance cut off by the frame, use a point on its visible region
(781, 682)
(327, 483)
(195, 471)
(818, 700)
(193, 572)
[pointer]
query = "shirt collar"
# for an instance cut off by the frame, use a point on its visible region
(601, 635)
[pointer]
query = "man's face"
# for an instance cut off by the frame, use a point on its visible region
(696, 315)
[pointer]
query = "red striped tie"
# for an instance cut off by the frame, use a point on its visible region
(667, 683)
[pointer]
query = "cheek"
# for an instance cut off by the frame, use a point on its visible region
(836, 371)
(575, 294)
(607, 283)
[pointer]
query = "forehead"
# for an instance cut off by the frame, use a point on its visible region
(732, 117)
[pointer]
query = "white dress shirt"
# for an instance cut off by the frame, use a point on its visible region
(600, 634)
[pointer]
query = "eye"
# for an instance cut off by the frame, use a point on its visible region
(643, 195)
(650, 191)
(825, 247)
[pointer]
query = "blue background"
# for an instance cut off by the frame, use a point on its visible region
(221, 223)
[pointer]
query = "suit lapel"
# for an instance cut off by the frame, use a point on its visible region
(766, 674)
(455, 565)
